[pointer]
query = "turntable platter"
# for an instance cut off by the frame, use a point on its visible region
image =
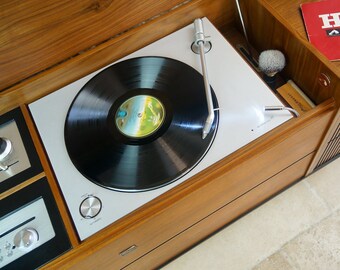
(137, 125)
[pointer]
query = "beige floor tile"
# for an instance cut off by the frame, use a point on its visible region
(318, 248)
(326, 183)
(245, 243)
(275, 262)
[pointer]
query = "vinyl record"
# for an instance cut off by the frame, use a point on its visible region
(137, 125)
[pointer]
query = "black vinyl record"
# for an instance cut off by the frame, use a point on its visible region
(137, 125)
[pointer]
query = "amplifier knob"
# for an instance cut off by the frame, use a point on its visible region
(5, 150)
(26, 238)
(90, 207)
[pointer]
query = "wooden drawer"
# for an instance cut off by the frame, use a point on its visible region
(199, 197)
(222, 216)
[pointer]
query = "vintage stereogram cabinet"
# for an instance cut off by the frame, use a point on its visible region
(46, 45)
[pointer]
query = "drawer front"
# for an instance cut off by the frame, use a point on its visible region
(208, 225)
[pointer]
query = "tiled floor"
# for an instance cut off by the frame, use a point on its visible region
(298, 229)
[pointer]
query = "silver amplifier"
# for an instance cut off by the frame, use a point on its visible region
(31, 230)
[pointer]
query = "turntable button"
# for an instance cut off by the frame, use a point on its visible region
(90, 207)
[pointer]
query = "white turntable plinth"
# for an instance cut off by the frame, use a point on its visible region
(241, 95)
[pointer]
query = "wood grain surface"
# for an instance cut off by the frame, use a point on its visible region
(35, 34)
(290, 14)
(278, 25)
(218, 219)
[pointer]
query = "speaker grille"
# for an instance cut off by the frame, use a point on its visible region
(332, 149)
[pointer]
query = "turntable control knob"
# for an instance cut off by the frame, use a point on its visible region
(90, 207)
(26, 238)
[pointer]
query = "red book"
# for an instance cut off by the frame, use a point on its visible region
(322, 22)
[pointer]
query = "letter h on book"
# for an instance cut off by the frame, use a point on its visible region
(327, 19)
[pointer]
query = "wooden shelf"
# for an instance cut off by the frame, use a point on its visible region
(290, 13)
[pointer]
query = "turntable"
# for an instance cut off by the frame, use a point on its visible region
(129, 132)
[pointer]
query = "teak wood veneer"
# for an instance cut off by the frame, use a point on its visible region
(46, 45)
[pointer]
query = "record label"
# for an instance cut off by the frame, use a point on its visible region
(140, 116)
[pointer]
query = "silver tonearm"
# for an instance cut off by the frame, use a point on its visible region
(280, 108)
(199, 42)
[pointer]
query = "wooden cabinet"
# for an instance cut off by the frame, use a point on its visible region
(95, 33)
